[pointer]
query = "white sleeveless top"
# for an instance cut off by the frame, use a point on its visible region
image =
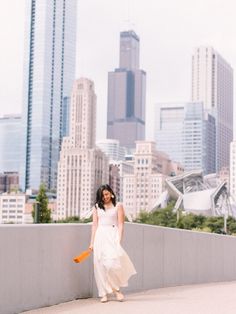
(107, 217)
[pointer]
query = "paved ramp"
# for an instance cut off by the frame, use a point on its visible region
(214, 298)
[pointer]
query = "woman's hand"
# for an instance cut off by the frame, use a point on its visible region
(91, 247)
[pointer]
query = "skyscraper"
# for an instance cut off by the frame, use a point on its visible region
(49, 65)
(127, 95)
(10, 139)
(199, 138)
(212, 84)
(186, 132)
(82, 167)
(168, 133)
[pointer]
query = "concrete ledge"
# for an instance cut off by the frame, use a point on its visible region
(36, 267)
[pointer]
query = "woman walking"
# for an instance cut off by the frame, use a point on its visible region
(112, 265)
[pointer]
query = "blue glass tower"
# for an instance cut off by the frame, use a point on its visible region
(49, 67)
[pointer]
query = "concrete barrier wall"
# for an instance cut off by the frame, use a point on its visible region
(36, 267)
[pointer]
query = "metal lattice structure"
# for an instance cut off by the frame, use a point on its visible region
(199, 194)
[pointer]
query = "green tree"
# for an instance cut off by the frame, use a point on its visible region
(231, 225)
(161, 217)
(168, 218)
(143, 217)
(190, 221)
(44, 213)
(216, 224)
(165, 217)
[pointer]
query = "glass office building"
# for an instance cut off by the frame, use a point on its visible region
(186, 132)
(213, 85)
(199, 138)
(49, 65)
(10, 139)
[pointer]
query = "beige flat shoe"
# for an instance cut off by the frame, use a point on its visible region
(104, 299)
(119, 296)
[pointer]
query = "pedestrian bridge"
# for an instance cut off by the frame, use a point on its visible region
(36, 267)
(214, 298)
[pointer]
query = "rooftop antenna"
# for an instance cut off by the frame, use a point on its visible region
(128, 23)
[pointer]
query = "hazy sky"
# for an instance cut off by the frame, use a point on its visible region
(169, 30)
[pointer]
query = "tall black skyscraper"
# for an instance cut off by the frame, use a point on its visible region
(126, 95)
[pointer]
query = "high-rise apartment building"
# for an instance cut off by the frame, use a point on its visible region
(82, 167)
(10, 140)
(49, 66)
(186, 132)
(127, 95)
(212, 84)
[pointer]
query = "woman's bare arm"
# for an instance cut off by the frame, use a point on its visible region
(94, 227)
(121, 219)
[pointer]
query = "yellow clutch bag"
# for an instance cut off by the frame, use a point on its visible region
(80, 258)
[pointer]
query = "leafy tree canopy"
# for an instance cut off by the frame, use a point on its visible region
(41, 213)
(168, 218)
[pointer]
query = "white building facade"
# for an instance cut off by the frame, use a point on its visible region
(142, 188)
(117, 171)
(212, 84)
(82, 167)
(12, 208)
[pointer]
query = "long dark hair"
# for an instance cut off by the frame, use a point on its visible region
(99, 196)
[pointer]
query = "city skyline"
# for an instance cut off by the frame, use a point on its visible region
(168, 33)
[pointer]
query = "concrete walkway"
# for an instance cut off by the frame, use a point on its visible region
(214, 298)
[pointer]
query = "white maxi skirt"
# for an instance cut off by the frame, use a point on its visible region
(112, 265)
